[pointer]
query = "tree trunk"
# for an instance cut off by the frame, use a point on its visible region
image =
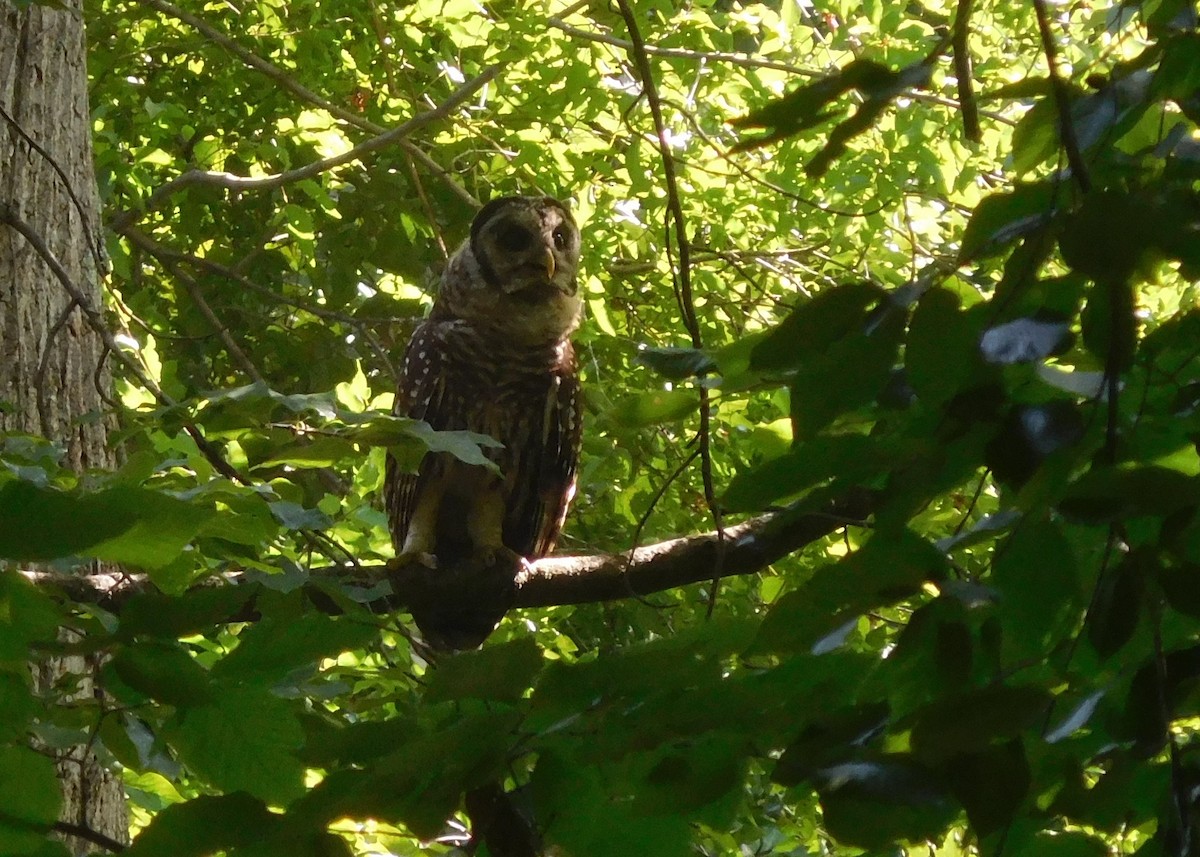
(53, 379)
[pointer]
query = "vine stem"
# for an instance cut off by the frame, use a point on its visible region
(1062, 99)
(682, 282)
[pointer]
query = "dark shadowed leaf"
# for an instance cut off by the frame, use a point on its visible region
(880, 803)
(27, 616)
(1036, 578)
(202, 826)
(502, 673)
(885, 569)
(154, 614)
(972, 721)
(1029, 435)
(815, 325)
(940, 353)
(244, 739)
(1117, 602)
(990, 784)
(850, 373)
(1109, 323)
(30, 796)
(851, 457)
(676, 363)
(1110, 493)
(1003, 218)
(164, 671)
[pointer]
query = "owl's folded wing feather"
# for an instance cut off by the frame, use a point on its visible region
(543, 476)
(420, 395)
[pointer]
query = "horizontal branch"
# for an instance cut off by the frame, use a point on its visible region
(230, 181)
(750, 547)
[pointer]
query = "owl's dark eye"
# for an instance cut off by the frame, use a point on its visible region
(514, 238)
(560, 239)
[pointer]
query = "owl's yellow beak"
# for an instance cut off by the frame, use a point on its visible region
(549, 262)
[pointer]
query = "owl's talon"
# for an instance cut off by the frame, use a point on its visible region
(416, 558)
(490, 556)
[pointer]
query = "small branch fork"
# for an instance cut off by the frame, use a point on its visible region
(683, 283)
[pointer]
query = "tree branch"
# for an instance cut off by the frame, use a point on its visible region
(234, 182)
(751, 546)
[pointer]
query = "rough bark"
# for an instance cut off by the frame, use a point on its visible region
(53, 381)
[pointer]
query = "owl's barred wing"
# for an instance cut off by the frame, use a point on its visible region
(420, 395)
(543, 471)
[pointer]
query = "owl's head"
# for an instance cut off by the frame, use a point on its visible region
(516, 273)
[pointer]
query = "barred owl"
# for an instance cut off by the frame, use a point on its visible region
(493, 357)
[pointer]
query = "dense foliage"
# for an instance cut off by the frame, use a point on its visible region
(898, 276)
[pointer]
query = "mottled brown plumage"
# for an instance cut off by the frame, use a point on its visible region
(494, 358)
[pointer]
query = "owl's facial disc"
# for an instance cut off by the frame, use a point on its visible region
(527, 248)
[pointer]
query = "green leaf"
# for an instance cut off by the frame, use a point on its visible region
(1117, 602)
(941, 352)
(701, 780)
(27, 616)
(501, 673)
(884, 570)
(582, 814)
(276, 646)
(172, 616)
(422, 780)
(16, 706)
(1040, 595)
(244, 739)
(850, 373)
(653, 408)
(815, 325)
(1112, 493)
(163, 671)
(29, 798)
(123, 525)
(853, 458)
(202, 826)
(991, 784)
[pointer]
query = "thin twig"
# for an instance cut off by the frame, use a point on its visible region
(261, 65)
(43, 389)
(686, 300)
(231, 345)
(243, 183)
(636, 541)
(302, 92)
(96, 322)
(80, 831)
(962, 70)
(167, 255)
(743, 60)
(95, 243)
(1062, 99)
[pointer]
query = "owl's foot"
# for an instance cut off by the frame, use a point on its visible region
(407, 558)
(499, 556)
